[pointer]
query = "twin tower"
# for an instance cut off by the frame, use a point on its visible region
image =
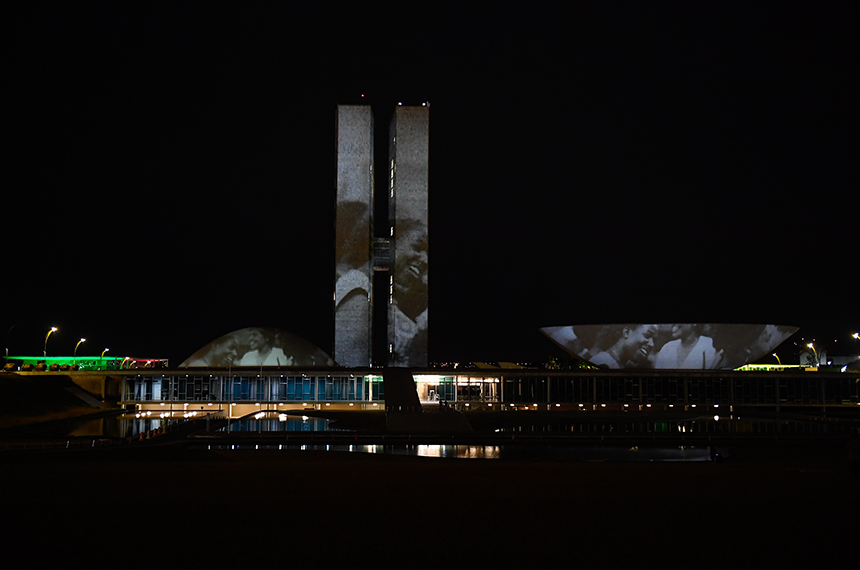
(397, 257)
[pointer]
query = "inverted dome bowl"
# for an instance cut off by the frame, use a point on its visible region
(679, 346)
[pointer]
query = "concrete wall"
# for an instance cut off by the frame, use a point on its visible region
(354, 232)
(408, 209)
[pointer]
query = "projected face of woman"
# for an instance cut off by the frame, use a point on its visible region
(226, 352)
(259, 345)
(412, 258)
(638, 344)
(410, 278)
(257, 341)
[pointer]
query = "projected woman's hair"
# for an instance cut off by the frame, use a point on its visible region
(683, 346)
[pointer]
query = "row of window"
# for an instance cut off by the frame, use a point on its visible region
(681, 390)
(253, 388)
(529, 389)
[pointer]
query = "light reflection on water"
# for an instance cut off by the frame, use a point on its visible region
(280, 423)
(523, 452)
(133, 426)
(130, 426)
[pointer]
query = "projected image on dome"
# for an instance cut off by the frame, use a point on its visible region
(683, 346)
(258, 347)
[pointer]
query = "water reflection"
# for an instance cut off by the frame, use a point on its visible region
(516, 452)
(122, 426)
(278, 423)
(133, 425)
(457, 451)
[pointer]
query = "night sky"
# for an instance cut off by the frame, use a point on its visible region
(170, 170)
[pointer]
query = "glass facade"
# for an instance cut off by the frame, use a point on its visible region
(519, 389)
(252, 388)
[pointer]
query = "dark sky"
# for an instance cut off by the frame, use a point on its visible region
(170, 170)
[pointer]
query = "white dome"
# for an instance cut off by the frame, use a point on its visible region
(258, 346)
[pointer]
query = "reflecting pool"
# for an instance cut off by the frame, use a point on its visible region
(507, 451)
(281, 423)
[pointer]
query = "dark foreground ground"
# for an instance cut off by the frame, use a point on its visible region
(764, 507)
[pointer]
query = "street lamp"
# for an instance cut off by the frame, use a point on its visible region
(45, 350)
(777, 359)
(813, 352)
(7, 341)
(75, 355)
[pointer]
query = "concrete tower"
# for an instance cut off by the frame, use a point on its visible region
(408, 180)
(402, 252)
(353, 290)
